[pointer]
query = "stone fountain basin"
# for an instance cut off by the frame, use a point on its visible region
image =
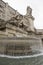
(20, 46)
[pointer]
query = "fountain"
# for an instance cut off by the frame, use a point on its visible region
(20, 46)
(34, 58)
(20, 43)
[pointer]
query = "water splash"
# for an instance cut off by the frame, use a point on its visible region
(18, 57)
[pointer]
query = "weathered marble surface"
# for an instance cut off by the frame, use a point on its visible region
(10, 16)
(14, 25)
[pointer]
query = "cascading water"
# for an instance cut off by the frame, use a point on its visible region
(35, 58)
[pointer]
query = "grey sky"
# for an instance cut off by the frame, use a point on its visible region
(36, 5)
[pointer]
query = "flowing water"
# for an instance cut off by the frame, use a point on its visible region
(36, 59)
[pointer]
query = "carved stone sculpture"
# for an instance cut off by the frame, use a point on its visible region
(29, 11)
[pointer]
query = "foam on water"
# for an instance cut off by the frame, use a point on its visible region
(18, 57)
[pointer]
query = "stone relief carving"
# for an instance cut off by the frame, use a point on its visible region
(15, 20)
(18, 20)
